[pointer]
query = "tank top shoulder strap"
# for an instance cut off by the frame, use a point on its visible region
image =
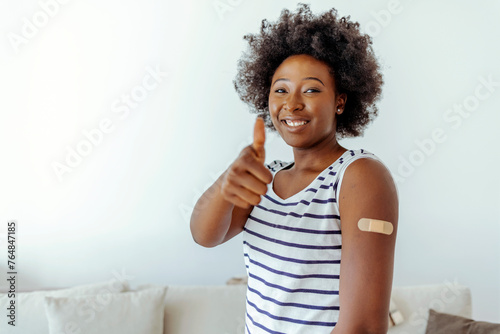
(276, 165)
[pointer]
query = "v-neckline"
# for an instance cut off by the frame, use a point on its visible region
(309, 185)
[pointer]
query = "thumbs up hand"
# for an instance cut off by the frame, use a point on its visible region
(246, 180)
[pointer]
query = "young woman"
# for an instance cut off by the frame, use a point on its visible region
(312, 265)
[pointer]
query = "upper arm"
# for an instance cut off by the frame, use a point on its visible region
(366, 270)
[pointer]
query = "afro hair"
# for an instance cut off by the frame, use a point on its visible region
(336, 41)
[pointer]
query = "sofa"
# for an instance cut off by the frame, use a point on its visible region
(221, 309)
(182, 309)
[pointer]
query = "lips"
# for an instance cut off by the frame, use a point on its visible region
(294, 124)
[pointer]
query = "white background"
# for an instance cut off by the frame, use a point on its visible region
(126, 205)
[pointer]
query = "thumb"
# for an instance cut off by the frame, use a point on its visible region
(259, 138)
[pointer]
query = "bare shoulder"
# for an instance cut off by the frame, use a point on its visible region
(369, 172)
(368, 181)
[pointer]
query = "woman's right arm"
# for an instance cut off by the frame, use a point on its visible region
(222, 210)
(216, 220)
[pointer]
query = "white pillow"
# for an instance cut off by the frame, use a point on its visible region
(206, 309)
(30, 310)
(130, 312)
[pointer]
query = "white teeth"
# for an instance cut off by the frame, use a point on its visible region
(295, 123)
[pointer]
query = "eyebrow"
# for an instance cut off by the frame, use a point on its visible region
(306, 78)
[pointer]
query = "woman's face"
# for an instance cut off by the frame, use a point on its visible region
(303, 91)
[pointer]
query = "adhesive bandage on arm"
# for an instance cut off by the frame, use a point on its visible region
(375, 225)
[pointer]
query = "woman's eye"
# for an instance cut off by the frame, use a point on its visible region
(310, 90)
(313, 90)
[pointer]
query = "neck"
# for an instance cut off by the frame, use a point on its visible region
(316, 159)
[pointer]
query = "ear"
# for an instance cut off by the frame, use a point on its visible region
(341, 100)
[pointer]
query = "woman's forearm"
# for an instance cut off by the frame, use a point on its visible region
(211, 216)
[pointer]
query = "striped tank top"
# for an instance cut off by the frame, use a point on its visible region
(292, 250)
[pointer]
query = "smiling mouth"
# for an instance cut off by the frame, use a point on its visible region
(294, 123)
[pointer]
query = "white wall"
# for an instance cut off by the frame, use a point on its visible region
(126, 205)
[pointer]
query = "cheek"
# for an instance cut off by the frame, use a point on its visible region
(273, 111)
(273, 107)
(329, 116)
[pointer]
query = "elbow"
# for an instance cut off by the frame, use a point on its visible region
(205, 243)
(201, 239)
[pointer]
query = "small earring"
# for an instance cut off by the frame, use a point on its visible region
(338, 111)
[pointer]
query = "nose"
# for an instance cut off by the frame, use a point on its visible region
(293, 103)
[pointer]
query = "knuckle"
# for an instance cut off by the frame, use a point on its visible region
(243, 204)
(229, 174)
(225, 193)
(240, 164)
(247, 158)
(232, 174)
(246, 151)
(269, 177)
(256, 200)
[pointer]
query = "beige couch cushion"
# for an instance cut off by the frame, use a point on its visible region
(30, 310)
(129, 312)
(221, 309)
(204, 309)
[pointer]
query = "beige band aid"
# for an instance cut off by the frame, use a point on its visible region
(375, 225)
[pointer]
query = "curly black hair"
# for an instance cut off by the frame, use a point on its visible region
(337, 42)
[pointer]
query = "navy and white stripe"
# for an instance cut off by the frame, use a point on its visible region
(292, 249)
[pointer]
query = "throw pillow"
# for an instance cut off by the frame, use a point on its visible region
(30, 312)
(204, 309)
(443, 323)
(121, 313)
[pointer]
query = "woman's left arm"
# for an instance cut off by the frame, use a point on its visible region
(367, 260)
